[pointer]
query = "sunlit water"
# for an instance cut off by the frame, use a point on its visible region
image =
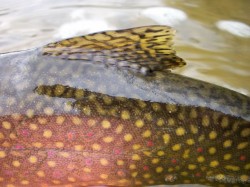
(212, 36)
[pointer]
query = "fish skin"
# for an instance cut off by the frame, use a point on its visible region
(65, 122)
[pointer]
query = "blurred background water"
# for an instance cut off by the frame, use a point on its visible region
(212, 36)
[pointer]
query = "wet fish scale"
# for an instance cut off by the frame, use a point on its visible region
(92, 121)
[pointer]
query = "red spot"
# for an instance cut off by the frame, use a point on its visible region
(174, 161)
(70, 135)
(198, 174)
(117, 151)
(18, 146)
(121, 174)
(57, 174)
(243, 158)
(150, 144)
(199, 150)
(90, 134)
(24, 132)
(145, 168)
(88, 162)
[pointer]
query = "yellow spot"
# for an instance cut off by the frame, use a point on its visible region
(205, 121)
(49, 111)
(91, 122)
(12, 136)
(214, 163)
(51, 163)
(106, 124)
(120, 162)
(242, 145)
(159, 169)
(155, 160)
(201, 138)
(79, 147)
(1, 136)
(42, 121)
(24, 182)
(76, 120)
(227, 156)
(245, 132)
(166, 138)
(125, 114)
(193, 129)
(6, 144)
(212, 135)
(148, 116)
(32, 159)
(212, 150)
(1, 179)
(40, 174)
(87, 170)
(96, 147)
(107, 100)
(232, 167)
(247, 166)
(37, 144)
(71, 179)
(156, 107)
(10, 185)
(16, 163)
(119, 129)
(134, 174)
(227, 143)
(160, 153)
(160, 122)
(244, 178)
(200, 159)
(136, 146)
(59, 144)
(60, 120)
(104, 176)
(147, 153)
(171, 121)
(171, 108)
(56, 181)
(142, 104)
(220, 177)
(146, 176)
(186, 154)
(33, 126)
(64, 154)
(176, 147)
(128, 137)
(180, 131)
(139, 123)
(104, 161)
(132, 166)
(190, 141)
(146, 134)
(136, 157)
(192, 166)
(6, 124)
(30, 113)
(108, 139)
(193, 113)
(47, 133)
(2, 154)
(224, 122)
(184, 173)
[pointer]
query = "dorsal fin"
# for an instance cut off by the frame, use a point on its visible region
(144, 49)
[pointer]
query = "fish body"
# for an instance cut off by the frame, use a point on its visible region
(104, 109)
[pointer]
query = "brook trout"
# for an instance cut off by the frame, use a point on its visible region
(105, 110)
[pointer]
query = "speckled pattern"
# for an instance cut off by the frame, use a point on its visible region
(80, 122)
